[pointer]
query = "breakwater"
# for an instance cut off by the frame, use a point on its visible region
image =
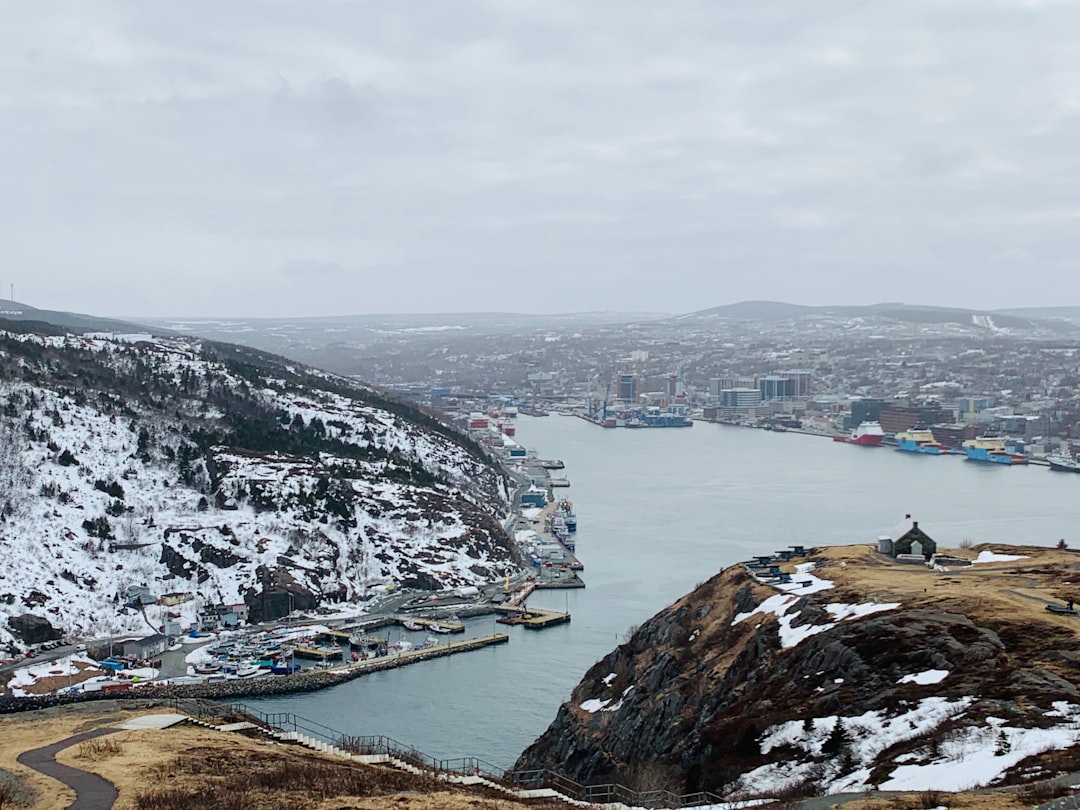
(268, 686)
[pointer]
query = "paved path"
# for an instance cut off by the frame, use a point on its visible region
(91, 791)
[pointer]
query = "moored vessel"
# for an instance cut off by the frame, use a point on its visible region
(991, 449)
(920, 440)
(867, 434)
(1063, 462)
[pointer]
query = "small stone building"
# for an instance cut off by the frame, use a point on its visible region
(907, 538)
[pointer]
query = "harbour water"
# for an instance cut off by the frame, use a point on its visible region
(659, 511)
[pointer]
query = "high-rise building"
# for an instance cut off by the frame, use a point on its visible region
(740, 398)
(718, 384)
(775, 386)
(865, 410)
(801, 378)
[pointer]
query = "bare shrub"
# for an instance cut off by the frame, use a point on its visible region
(99, 748)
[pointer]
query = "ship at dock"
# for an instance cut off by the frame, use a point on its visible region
(991, 449)
(672, 416)
(1063, 462)
(920, 440)
(867, 434)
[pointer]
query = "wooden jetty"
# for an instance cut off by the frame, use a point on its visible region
(530, 618)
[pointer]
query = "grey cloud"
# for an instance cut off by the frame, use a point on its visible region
(311, 268)
(416, 156)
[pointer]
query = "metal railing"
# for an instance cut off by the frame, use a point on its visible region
(382, 745)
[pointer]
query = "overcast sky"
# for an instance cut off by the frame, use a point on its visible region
(307, 158)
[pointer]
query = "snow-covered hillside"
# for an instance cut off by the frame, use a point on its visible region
(226, 473)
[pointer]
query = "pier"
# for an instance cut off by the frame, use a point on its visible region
(531, 619)
(548, 538)
(452, 625)
(564, 580)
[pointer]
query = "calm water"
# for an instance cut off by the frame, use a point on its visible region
(659, 511)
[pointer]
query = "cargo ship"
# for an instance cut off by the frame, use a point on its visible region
(867, 434)
(1063, 462)
(991, 449)
(920, 440)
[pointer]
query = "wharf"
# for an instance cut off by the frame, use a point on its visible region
(340, 636)
(448, 624)
(531, 619)
(568, 579)
(569, 559)
(317, 653)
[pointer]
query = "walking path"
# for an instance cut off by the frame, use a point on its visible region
(91, 791)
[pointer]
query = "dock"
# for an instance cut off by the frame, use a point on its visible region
(317, 653)
(531, 618)
(424, 653)
(568, 579)
(450, 624)
(340, 636)
(569, 559)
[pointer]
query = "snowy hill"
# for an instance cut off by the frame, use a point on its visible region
(224, 475)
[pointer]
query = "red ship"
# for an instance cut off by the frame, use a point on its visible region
(867, 434)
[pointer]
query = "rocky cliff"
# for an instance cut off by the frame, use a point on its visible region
(860, 673)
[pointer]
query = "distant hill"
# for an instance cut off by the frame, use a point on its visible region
(1046, 313)
(990, 320)
(70, 321)
(752, 311)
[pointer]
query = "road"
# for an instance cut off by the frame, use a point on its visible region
(91, 791)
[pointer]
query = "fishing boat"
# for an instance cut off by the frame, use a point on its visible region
(411, 626)
(435, 627)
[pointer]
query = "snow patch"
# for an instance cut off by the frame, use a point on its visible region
(924, 678)
(992, 557)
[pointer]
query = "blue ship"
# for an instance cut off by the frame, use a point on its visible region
(991, 449)
(918, 440)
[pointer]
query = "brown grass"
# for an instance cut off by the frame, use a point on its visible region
(51, 683)
(1017, 589)
(189, 768)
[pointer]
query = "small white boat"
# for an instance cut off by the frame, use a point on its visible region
(247, 669)
(435, 627)
(411, 626)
